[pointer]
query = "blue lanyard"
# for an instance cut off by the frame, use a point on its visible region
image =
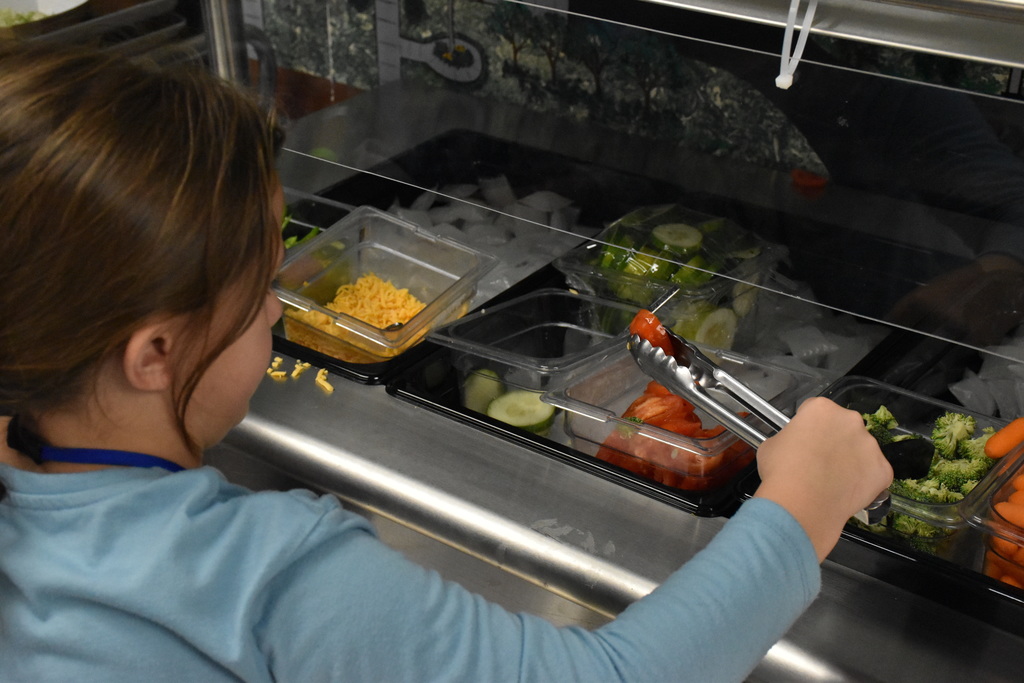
(100, 456)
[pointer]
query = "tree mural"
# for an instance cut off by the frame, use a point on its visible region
(594, 45)
(621, 77)
(650, 65)
(514, 24)
(550, 33)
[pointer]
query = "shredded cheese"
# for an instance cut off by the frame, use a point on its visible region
(369, 299)
(274, 373)
(321, 381)
(372, 300)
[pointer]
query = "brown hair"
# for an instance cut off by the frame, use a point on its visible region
(127, 191)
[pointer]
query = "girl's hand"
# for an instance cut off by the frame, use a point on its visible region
(823, 467)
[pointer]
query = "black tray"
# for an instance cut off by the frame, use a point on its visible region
(433, 383)
(363, 373)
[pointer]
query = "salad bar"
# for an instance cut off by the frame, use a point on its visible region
(504, 415)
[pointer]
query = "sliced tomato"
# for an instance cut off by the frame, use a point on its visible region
(711, 433)
(647, 326)
(657, 409)
(665, 463)
(656, 389)
(684, 426)
(645, 407)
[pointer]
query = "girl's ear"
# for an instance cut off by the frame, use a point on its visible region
(147, 357)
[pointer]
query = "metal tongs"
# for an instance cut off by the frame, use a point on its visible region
(691, 374)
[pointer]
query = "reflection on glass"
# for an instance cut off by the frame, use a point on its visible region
(895, 199)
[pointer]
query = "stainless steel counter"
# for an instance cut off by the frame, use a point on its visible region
(584, 538)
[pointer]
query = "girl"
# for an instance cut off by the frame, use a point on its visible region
(140, 233)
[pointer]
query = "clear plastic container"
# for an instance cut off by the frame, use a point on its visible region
(916, 414)
(1004, 561)
(712, 265)
(985, 510)
(439, 272)
(595, 403)
(534, 342)
(997, 509)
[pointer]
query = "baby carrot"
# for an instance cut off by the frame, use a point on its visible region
(1012, 581)
(1018, 482)
(1003, 441)
(1011, 512)
(1009, 570)
(1016, 497)
(1005, 548)
(995, 565)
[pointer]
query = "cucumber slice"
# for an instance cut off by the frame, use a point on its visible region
(678, 238)
(480, 388)
(523, 409)
(648, 263)
(744, 254)
(718, 329)
(614, 255)
(689, 316)
(691, 276)
(744, 296)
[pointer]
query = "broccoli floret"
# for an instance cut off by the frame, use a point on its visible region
(911, 526)
(950, 429)
(974, 449)
(925, 491)
(880, 423)
(960, 473)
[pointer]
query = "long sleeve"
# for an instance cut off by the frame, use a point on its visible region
(356, 609)
(127, 575)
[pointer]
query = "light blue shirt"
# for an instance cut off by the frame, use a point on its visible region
(141, 575)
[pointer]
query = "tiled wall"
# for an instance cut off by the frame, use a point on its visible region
(638, 81)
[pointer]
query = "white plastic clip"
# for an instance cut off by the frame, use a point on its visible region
(790, 57)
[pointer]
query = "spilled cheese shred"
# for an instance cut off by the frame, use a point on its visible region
(300, 367)
(321, 381)
(274, 373)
